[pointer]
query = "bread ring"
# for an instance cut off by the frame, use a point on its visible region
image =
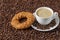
(16, 20)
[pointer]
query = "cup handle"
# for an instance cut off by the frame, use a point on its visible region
(51, 28)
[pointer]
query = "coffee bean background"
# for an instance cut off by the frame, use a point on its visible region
(8, 8)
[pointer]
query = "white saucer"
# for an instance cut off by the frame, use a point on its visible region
(51, 28)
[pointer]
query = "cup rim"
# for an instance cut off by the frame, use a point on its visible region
(46, 8)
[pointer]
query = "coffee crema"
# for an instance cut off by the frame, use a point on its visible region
(45, 13)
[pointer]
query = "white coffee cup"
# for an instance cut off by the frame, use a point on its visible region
(45, 21)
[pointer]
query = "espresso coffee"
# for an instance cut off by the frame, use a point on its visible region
(45, 13)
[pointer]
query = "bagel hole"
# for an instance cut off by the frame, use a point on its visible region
(22, 19)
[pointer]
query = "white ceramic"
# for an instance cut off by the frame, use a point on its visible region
(46, 21)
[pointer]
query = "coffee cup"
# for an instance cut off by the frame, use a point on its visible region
(47, 20)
